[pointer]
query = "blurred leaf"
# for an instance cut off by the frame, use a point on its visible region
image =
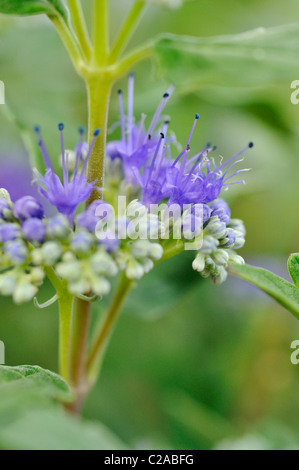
(168, 3)
(281, 290)
(33, 7)
(293, 267)
(46, 381)
(52, 429)
(30, 419)
(254, 58)
(198, 418)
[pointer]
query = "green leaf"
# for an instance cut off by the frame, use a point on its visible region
(293, 267)
(254, 58)
(52, 429)
(33, 7)
(281, 290)
(45, 381)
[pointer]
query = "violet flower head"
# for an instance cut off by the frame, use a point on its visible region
(136, 143)
(68, 193)
(195, 180)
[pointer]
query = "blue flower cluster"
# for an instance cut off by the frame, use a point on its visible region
(86, 248)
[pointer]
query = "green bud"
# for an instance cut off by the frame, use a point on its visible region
(100, 286)
(220, 257)
(134, 270)
(234, 258)
(209, 244)
(24, 292)
(71, 271)
(103, 264)
(156, 251)
(199, 262)
(7, 284)
(51, 252)
(37, 276)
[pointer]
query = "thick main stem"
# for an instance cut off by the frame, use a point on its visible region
(80, 331)
(99, 91)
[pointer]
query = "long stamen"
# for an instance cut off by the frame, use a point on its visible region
(160, 108)
(79, 154)
(61, 128)
(249, 146)
(154, 158)
(122, 115)
(193, 129)
(130, 111)
(44, 151)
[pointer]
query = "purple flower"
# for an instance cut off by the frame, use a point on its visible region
(28, 207)
(221, 209)
(67, 194)
(34, 230)
(136, 144)
(9, 232)
(185, 180)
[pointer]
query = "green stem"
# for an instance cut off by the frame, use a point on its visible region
(65, 323)
(65, 302)
(69, 41)
(101, 31)
(98, 347)
(80, 337)
(127, 30)
(80, 26)
(99, 92)
(131, 59)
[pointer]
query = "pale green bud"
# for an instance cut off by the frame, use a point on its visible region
(220, 257)
(24, 292)
(7, 284)
(156, 251)
(237, 259)
(70, 271)
(209, 244)
(134, 270)
(100, 286)
(103, 264)
(51, 252)
(199, 262)
(36, 276)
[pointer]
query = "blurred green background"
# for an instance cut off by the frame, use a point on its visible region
(191, 365)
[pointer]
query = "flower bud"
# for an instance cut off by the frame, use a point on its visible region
(216, 228)
(220, 257)
(134, 270)
(70, 271)
(34, 230)
(199, 262)
(9, 232)
(24, 292)
(240, 240)
(16, 251)
(100, 286)
(209, 244)
(36, 276)
(229, 239)
(51, 252)
(221, 209)
(28, 207)
(58, 227)
(238, 225)
(81, 242)
(103, 264)
(4, 194)
(7, 284)
(156, 251)
(237, 259)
